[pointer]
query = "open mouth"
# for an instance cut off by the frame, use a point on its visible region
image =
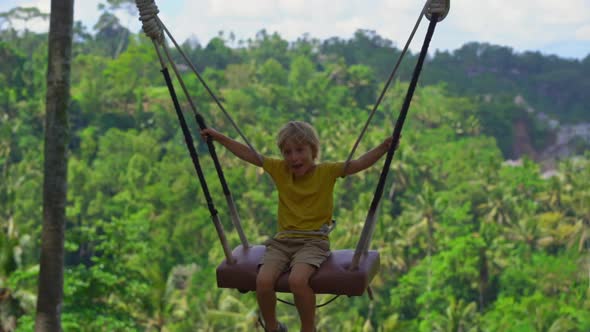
(296, 167)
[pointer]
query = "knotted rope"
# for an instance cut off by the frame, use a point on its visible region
(148, 12)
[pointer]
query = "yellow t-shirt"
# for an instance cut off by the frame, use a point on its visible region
(306, 203)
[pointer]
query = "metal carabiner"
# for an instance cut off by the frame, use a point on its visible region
(440, 7)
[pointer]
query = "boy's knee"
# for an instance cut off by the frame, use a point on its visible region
(265, 282)
(298, 283)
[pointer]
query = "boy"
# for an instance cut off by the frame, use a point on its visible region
(305, 205)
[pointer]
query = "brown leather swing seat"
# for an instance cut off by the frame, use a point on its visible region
(333, 276)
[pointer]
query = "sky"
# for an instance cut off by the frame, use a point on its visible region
(556, 27)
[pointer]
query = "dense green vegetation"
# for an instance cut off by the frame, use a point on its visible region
(467, 242)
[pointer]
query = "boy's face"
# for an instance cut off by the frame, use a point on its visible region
(299, 157)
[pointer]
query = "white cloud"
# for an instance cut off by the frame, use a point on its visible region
(404, 6)
(43, 5)
(522, 24)
(86, 11)
(563, 12)
(295, 7)
(583, 33)
(33, 25)
(241, 9)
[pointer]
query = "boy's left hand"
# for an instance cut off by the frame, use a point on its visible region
(387, 142)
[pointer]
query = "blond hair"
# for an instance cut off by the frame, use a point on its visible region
(299, 132)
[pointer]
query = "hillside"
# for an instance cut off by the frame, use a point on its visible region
(468, 240)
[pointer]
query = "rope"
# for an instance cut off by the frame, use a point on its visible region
(293, 304)
(389, 80)
(206, 86)
(201, 122)
(317, 306)
(149, 23)
(363, 243)
(153, 28)
(195, 158)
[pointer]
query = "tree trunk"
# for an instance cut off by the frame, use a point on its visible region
(483, 278)
(50, 291)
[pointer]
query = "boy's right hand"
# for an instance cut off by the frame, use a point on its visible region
(210, 132)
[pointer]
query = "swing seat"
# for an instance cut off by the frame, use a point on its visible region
(333, 276)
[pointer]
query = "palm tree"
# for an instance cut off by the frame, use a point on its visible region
(493, 258)
(552, 196)
(10, 308)
(580, 234)
(404, 169)
(239, 313)
(460, 317)
(49, 301)
(576, 197)
(499, 205)
(166, 303)
(425, 210)
(526, 229)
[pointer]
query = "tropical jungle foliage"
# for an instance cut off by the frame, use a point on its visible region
(468, 242)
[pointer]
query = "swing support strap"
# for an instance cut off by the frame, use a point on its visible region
(369, 226)
(155, 29)
(195, 158)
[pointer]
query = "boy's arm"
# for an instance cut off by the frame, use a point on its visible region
(241, 151)
(368, 159)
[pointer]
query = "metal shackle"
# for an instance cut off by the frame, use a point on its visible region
(440, 7)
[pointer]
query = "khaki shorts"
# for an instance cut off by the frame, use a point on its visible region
(284, 253)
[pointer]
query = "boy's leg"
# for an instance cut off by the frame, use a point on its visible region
(266, 295)
(303, 294)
